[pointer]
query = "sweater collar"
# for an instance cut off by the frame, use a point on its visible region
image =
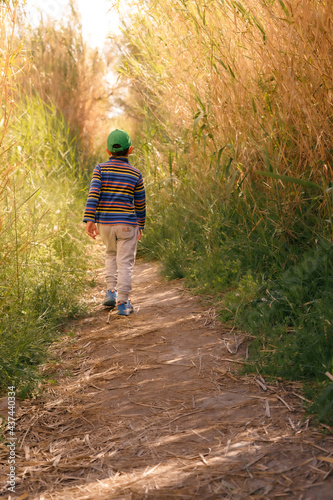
(121, 158)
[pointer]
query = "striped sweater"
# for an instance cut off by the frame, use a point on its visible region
(116, 194)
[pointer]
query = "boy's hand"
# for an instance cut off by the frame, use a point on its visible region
(91, 229)
(140, 234)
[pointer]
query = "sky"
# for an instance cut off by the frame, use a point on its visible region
(99, 18)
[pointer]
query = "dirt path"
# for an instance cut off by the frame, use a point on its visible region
(151, 406)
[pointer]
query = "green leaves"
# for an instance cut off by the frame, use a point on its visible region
(287, 178)
(284, 8)
(327, 192)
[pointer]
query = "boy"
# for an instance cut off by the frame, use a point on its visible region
(116, 209)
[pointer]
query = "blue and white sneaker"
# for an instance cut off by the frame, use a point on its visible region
(110, 298)
(125, 308)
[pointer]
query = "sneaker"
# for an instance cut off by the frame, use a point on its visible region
(125, 308)
(110, 298)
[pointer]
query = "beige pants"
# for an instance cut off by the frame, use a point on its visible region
(121, 243)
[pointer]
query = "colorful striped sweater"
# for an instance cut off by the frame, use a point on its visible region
(116, 194)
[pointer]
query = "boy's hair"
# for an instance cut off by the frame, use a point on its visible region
(120, 153)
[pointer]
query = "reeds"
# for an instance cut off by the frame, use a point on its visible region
(71, 76)
(236, 103)
(256, 76)
(42, 253)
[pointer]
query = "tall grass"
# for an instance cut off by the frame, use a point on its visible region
(235, 100)
(42, 248)
(43, 263)
(66, 72)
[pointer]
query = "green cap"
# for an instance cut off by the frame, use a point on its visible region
(118, 140)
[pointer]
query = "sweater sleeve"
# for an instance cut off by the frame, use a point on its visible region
(93, 196)
(140, 202)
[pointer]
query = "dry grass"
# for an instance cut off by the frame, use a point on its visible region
(11, 64)
(248, 81)
(67, 73)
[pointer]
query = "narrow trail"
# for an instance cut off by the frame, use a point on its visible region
(152, 407)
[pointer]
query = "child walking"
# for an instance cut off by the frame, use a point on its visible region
(116, 210)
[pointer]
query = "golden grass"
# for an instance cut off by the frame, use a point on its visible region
(66, 72)
(257, 75)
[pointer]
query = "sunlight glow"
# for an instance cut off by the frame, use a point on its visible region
(99, 18)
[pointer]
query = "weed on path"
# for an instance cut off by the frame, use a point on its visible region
(152, 406)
